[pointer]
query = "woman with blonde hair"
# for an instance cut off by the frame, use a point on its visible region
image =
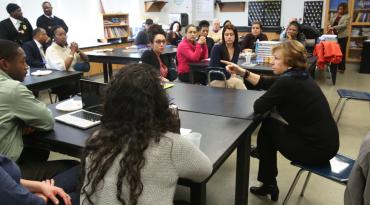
(301, 126)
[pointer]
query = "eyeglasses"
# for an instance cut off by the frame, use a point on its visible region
(160, 41)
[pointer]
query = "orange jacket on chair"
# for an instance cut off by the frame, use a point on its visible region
(327, 52)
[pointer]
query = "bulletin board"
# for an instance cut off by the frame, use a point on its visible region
(267, 12)
(312, 14)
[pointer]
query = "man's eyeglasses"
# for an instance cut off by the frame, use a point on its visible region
(160, 41)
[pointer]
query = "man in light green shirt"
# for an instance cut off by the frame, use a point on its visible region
(20, 113)
(18, 107)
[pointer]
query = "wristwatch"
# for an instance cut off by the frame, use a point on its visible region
(246, 74)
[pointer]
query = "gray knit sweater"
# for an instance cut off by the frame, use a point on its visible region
(166, 161)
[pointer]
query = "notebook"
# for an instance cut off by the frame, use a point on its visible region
(92, 94)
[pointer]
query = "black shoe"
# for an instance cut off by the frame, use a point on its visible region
(254, 152)
(263, 190)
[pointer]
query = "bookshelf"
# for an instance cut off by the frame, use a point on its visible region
(359, 29)
(116, 26)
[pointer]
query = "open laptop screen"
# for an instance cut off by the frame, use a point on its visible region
(92, 93)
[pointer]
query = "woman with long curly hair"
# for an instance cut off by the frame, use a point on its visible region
(136, 157)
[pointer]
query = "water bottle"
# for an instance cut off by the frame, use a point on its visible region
(258, 57)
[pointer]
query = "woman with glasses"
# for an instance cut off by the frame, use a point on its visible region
(154, 56)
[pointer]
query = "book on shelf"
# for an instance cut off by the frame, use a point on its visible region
(362, 17)
(115, 32)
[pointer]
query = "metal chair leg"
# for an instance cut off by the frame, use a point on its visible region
(291, 189)
(336, 106)
(305, 183)
(50, 97)
(341, 110)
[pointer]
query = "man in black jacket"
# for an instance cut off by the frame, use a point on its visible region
(47, 21)
(35, 49)
(15, 28)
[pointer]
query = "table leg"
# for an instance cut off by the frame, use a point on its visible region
(198, 193)
(191, 76)
(105, 72)
(242, 171)
(333, 71)
(110, 71)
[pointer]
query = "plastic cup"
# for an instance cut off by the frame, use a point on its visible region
(248, 57)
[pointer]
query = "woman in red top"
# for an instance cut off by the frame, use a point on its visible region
(190, 50)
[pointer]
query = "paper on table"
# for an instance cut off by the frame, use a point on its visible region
(69, 105)
(168, 85)
(194, 138)
(184, 131)
(250, 65)
(41, 72)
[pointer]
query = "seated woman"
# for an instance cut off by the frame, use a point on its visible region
(308, 134)
(203, 27)
(174, 35)
(228, 50)
(293, 32)
(60, 56)
(137, 155)
(249, 41)
(154, 57)
(190, 51)
(15, 190)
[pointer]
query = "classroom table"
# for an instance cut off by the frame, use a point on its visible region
(214, 101)
(56, 78)
(226, 125)
(258, 68)
(120, 56)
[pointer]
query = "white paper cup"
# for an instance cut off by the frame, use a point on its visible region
(248, 57)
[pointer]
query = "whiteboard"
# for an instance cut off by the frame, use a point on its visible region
(204, 10)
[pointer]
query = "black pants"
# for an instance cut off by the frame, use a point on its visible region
(69, 181)
(66, 91)
(200, 77)
(343, 47)
(273, 136)
(34, 165)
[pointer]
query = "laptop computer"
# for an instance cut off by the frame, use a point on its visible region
(92, 109)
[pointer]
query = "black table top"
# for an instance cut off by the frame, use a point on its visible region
(122, 55)
(47, 81)
(259, 68)
(214, 101)
(219, 135)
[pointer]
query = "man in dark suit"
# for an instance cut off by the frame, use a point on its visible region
(47, 21)
(35, 49)
(15, 28)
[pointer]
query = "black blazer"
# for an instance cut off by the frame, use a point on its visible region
(300, 101)
(8, 31)
(47, 23)
(149, 57)
(33, 55)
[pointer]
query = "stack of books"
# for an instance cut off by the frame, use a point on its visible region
(264, 48)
